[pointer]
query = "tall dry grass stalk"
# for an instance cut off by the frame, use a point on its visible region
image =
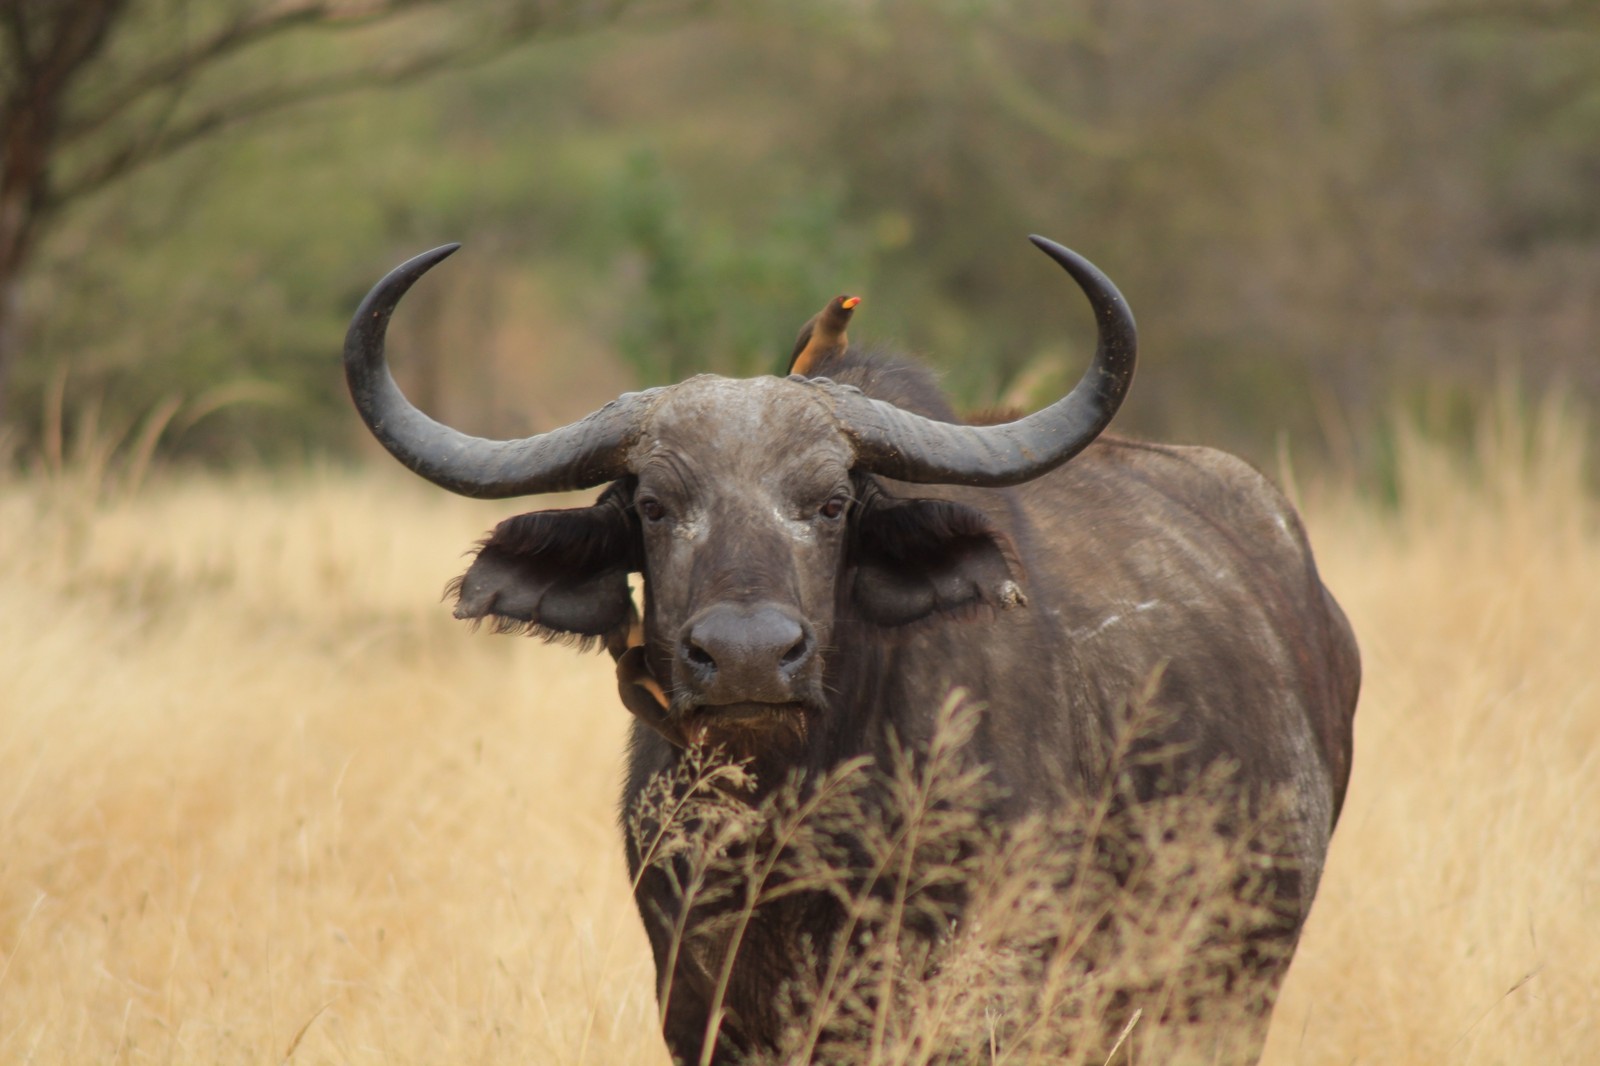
(261, 799)
(920, 931)
(1460, 918)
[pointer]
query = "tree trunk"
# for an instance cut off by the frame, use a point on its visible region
(10, 329)
(22, 177)
(49, 43)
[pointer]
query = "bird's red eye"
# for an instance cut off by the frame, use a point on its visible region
(651, 509)
(833, 508)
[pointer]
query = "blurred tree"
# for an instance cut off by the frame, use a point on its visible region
(93, 90)
(1316, 207)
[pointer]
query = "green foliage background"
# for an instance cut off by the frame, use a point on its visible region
(1315, 208)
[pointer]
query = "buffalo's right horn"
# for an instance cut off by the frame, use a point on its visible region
(907, 446)
(586, 453)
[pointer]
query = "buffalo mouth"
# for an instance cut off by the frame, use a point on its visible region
(717, 722)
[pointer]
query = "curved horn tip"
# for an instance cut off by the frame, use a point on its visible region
(387, 292)
(418, 265)
(1057, 251)
(431, 257)
(1100, 289)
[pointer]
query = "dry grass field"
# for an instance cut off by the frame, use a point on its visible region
(261, 799)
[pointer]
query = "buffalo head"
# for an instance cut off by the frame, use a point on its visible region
(753, 510)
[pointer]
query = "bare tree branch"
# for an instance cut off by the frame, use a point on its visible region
(173, 70)
(146, 112)
(161, 140)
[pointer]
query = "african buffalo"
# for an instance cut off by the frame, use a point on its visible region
(824, 559)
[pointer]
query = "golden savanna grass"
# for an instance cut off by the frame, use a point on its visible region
(262, 799)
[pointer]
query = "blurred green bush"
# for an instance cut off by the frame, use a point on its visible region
(1313, 208)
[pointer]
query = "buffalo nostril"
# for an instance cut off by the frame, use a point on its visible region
(798, 653)
(698, 655)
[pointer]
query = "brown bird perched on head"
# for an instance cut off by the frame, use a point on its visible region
(822, 338)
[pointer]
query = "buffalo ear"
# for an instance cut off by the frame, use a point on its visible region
(556, 574)
(913, 558)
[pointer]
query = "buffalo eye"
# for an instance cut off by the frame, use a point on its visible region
(834, 508)
(650, 508)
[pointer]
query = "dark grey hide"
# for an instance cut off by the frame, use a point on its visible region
(1050, 602)
(800, 611)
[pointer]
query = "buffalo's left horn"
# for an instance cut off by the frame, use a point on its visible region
(899, 444)
(589, 452)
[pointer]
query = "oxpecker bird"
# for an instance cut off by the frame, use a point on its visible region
(822, 338)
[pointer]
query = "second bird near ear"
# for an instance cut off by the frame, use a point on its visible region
(822, 338)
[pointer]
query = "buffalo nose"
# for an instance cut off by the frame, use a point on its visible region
(739, 653)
